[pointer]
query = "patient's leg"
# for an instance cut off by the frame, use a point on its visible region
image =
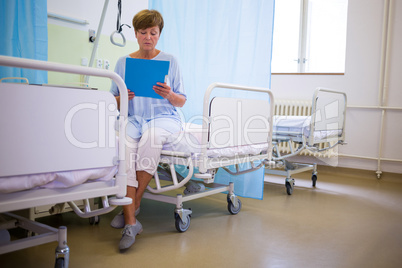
(132, 182)
(125, 217)
(149, 151)
(136, 194)
(129, 210)
(143, 179)
(132, 227)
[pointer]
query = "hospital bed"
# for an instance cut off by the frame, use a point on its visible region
(234, 131)
(318, 132)
(58, 144)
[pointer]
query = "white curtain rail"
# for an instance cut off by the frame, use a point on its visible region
(68, 19)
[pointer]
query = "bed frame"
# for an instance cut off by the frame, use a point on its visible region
(73, 125)
(328, 113)
(241, 116)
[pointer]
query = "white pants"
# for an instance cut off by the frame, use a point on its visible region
(144, 154)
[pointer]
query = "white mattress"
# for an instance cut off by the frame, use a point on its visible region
(287, 125)
(189, 141)
(63, 179)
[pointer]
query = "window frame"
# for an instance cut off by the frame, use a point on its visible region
(302, 46)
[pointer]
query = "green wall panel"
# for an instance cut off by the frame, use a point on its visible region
(67, 45)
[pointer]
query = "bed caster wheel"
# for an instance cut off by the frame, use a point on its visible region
(314, 179)
(232, 208)
(181, 225)
(290, 183)
(94, 220)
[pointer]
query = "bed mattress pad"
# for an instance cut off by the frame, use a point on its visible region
(290, 125)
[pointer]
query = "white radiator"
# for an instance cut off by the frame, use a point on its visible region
(300, 108)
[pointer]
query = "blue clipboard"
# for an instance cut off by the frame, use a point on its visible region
(141, 75)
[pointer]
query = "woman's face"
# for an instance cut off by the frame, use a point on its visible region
(148, 38)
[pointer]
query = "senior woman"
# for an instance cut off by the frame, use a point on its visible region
(150, 121)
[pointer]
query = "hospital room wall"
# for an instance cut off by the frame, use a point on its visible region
(361, 82)
(69, 42)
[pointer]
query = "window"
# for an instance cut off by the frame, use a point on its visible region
(309, 36)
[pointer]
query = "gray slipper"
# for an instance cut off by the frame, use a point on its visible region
(118, 220)
(193, 187)
(128, 235)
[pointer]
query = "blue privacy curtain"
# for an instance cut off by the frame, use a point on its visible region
(227, 41)
(23, 31)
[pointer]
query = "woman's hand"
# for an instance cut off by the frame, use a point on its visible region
(163, 90)
(130, 94)
(166, 92)
(130, 97)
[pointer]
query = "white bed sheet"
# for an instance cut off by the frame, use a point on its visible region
(300, 125)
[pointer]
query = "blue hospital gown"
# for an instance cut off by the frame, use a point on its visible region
(145, 112)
